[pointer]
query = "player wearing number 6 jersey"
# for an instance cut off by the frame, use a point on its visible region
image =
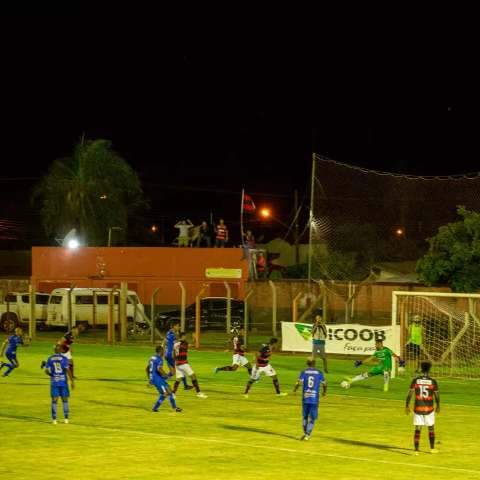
(311, 378)
(425, 389)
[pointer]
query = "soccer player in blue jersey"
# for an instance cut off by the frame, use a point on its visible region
(170, 340)
(158, 378)
(9, 347)
(57, 368)
(311, 379)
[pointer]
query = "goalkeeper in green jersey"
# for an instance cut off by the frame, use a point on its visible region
(383, 366)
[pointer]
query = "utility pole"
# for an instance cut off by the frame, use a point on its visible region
(296, 234)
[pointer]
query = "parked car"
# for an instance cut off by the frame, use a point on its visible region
(213, 314)
(15, 310)
(85, 312)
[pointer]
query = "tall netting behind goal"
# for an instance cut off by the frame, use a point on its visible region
(362, 218)
(443, 328)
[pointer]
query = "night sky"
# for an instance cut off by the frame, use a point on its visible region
(198, 124)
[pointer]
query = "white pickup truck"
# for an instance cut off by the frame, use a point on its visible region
(15, 310)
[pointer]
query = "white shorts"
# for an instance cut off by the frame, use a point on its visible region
(424, 420)
(184, 370)
(268, 371)
(68, 355)
(238, 359)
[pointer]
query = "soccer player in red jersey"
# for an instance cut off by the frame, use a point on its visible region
(425, 389)
(263, 366)
(239, 359)
(182, 367)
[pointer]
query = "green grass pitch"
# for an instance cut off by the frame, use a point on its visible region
(361, 432)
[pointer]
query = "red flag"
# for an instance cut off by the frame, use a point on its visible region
(248, 204)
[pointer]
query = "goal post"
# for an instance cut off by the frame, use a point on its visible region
(442, 328)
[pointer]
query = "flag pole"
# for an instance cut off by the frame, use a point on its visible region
(241, 216)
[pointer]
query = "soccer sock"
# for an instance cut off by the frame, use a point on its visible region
(276, 385)
(10, 367)
(172, 401)
(310, 424)
(416, 439)
(304, 423)
(184, 380)
(249, 370)
(226, 369)
(160, 400)
(249, 384)
(431, 437)
(54, 409)
(195, 384)
(386, 377)
(175, 386)
(65, 408)
(362, 376)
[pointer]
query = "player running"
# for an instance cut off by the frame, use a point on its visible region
(263, 366)
(425, 389)
(9, 347)
(311, 378)
(383, 357)
(239, 359)
(170, 339)
(157, 377)
(182, 367)
(57, 368)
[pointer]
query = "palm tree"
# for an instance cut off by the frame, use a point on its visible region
(92, 190)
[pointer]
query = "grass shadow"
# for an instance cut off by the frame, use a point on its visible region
(110, 404)
(379, 446)
(239, 428)
(24, 418)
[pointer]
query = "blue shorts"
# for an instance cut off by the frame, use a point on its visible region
(161, 386)
(59, 391)
(170, 361)
(12, 356)
(310, 410)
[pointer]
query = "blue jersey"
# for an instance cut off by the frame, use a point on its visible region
(169, 342)
(312, 379)
(57, 365)
(13, 342)
(154, 363)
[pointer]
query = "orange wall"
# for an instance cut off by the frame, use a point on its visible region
(144, 268)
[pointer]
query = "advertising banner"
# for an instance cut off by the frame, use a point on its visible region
(345, 338)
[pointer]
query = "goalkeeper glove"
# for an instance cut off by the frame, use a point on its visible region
(358, 363)
(401, 363)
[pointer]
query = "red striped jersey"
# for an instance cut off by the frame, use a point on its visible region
(238, 347)
(222, 232)
(181, 352)
(263, 356)
(424, 388)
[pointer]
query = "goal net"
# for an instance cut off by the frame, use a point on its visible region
(365, 222)
(443, 328)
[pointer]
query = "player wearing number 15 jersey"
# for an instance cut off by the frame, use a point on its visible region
(311, 379)
(425, 389)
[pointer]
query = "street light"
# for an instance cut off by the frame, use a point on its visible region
(110, 234)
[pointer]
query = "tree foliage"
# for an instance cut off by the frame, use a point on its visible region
(91, 190)
(453, 257)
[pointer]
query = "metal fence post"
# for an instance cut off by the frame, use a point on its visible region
(229, 306)
(182, 306)
(246, 315)
(32, 321)
(274, 307)
(152, 315)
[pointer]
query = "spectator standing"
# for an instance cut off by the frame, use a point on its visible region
(221, 232)
(204, 235)
(183, 227)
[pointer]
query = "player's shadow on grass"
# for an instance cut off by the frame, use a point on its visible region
(257, 430)
(122, 405)
(379, 446)
(24, 417)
